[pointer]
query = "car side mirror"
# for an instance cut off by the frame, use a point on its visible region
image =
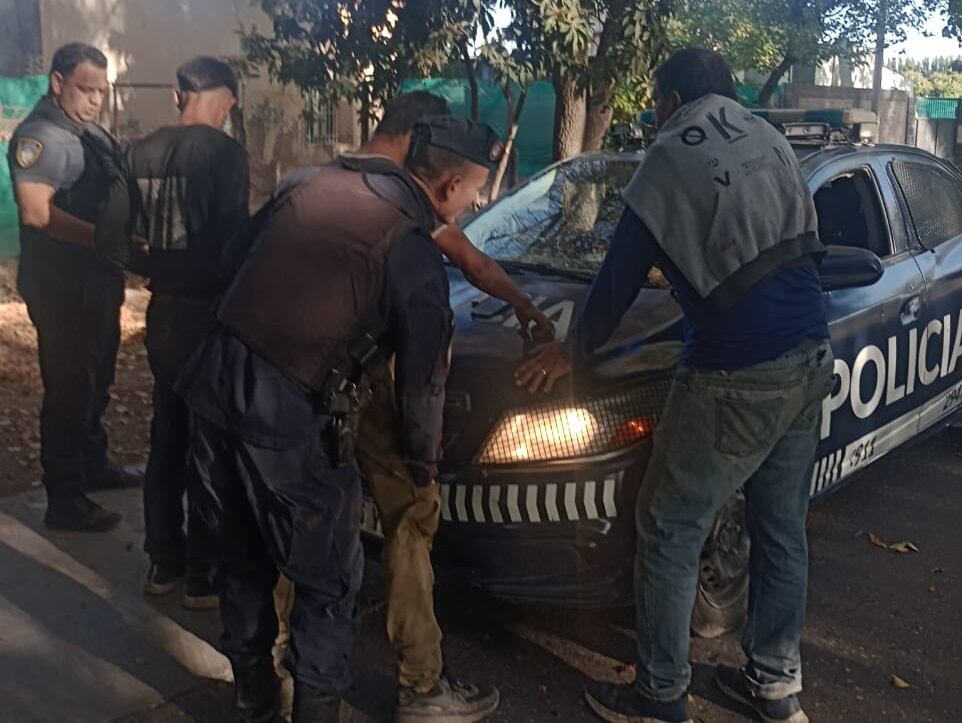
(849, 267)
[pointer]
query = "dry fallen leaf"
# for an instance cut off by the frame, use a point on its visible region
(877, 541)
(897, 682)
(903, 547)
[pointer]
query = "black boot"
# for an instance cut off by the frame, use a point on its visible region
(78, 513)
(257, 694)
(312, 706)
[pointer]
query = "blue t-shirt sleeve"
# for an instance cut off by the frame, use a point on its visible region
(44, 153)
(630, 256)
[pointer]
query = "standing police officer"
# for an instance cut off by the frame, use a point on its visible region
(185, 192)
(62, 165)
(344, 271)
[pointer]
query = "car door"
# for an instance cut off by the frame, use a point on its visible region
(875, 329)
(931, 193)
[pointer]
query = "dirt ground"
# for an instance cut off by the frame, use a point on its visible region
(128, 416)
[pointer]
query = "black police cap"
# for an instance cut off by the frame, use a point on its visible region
(475, 142)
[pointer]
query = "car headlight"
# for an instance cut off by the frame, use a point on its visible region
(558, 431)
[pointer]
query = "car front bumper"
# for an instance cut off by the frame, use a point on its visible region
(561, 534)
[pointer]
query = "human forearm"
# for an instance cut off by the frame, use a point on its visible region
(68, 228)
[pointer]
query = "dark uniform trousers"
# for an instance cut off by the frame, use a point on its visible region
(176, 326)
(409, 516)
(283, 509)
(78, 333)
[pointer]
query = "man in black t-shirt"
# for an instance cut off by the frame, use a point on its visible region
(183, 198)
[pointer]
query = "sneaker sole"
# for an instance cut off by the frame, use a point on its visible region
(206, 602)
(153, 588)
(406, 717)
(105, 527)
(613, 717)
(798, 717)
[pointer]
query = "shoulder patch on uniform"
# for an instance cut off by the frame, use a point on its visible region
(29, 151)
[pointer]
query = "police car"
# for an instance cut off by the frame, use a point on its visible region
(538, 491)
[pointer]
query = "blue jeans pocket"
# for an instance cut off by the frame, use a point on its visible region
(747, 427)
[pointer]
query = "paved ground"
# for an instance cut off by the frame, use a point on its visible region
(79, 643)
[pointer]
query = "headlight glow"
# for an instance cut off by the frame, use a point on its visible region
(558, 431)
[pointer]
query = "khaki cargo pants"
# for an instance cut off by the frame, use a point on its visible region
(409, 517)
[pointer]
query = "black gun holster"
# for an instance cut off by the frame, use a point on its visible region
(345, 397)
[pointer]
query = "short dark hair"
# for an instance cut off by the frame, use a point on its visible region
(68, 57)
(693, 73)
(405, 110)
(206, 73)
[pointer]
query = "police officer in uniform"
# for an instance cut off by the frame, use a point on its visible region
(185, 193)
(410, 513)
(62, 164)
(343, 272)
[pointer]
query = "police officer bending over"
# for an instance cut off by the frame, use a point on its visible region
(410, 513)
(185, 192)
(344, 271)
(62, 164)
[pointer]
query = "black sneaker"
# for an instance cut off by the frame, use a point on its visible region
(312, 706)
(448, 701)
(79, 513)
(257, 694)
(162, 578)
(625, 704)
(734, 683)
(200, 593)
(114, 478)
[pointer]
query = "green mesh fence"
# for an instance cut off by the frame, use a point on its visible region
(537, 119)
(17, 97)
(936, 108)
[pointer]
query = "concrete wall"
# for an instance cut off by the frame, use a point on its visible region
(895, 117)
(937, 136)
(20, 52)
(145, 41)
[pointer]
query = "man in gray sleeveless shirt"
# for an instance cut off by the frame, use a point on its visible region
(720, 205)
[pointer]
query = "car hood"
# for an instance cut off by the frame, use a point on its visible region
(488, 347)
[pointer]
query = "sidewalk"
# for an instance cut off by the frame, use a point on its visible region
(78, 642)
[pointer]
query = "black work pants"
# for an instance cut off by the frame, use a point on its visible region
(176, 327)
(78, 333)
(283, 509)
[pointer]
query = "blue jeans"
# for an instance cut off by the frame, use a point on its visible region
(754, 428)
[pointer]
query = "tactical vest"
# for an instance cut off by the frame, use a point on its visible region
(45, 260)
(314, 281)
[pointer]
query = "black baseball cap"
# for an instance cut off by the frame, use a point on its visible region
(475, 142)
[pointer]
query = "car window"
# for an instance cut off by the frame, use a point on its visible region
(850, 213)
(563, 218)
(934, 199)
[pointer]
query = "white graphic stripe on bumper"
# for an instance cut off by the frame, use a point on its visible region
(498, 504)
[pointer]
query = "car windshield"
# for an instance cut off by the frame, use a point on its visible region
(561, 219)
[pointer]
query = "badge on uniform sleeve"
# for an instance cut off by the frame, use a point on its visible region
(29, 151)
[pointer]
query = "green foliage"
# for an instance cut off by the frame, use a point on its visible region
(932, 77)
(760, 34)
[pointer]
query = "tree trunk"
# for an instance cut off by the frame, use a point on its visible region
(238, 125)
(365, 120)
(598, 116)
(569, 116)
(470, 70)
(508, 143)
(768, 90)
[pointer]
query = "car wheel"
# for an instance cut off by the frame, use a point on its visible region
(722, 596)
